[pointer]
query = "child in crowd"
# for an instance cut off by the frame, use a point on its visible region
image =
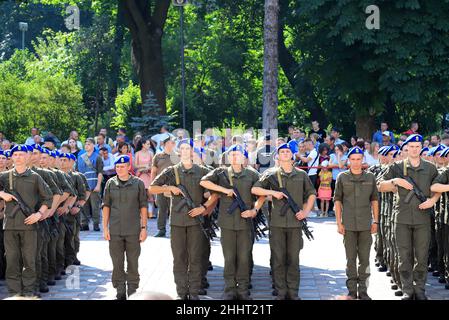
(324, 190)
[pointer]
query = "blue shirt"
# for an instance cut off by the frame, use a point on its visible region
(377, 137)
(336, 171)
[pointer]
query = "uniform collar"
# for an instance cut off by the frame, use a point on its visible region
(238, 174)
(25, 174)
(353, 176)
(127, 183)
(294, 172)
(184, 170)
(418, 168)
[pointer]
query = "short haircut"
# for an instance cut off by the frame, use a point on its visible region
(90, 140)
(101, 134)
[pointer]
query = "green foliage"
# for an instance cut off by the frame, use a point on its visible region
(126, 106)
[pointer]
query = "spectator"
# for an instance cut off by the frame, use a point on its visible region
(320, 132)
(386, 138)
(251, 148)
(123, 149)
(325, 189)
(311, 157)
(108, 164)
(371, 156)
(136, 139)
(434, 140)
(101, 142)
(336, 134)
(122, 132)
(90, 164)
(120, 139)
(378, 135)
(301, 151)
(107, 139)
(413, 129)
(37, 139)
(73, 135)
(353, 141)
(265, 158)
(314, 137)
(142, 165)
(6, 144)
(426, 143)
(445, 139)
(30, 140)
(330, 141)
(162, 135)
(291, 128)
(73, 146)
(324, 153)
(337, 163)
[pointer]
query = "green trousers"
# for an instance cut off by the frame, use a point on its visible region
(187, 244)
(237, 246)
(119, 247)
(285, 244)
(60, 249)
(357, 247)
(91, 209)
(163, 208)
(69, 241)
(413, 249)
(20, 249)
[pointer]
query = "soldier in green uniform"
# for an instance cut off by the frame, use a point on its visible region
(160, 162)
(441, 185)
(412, 218)
(236, 226)
(20, 235)
(3, 163)
(44, 234)
(357, 213)
(285, 227)
(187, 236)
(125, 213)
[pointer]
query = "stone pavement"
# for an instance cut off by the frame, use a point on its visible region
(322, 269)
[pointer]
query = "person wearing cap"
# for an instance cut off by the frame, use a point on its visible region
(187, 238)
(160, 162)
(42, 263)
(236, 227)
(357, 214)
(285, 229)
(424, 153)
(412, 220)
(90, 164)
(378, 135)
(3, 163)
(442, 185)
(20, 232)
(125, 213)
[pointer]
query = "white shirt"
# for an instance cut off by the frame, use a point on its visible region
(158, 138)
(369, 159)
(78, 144)
(313, 155)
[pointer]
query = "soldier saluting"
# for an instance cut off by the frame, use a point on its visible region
(20, 234)
(187, 238)
(285, 227)
(125, 213)
(235, 222)
(412, 177)
(355, 196)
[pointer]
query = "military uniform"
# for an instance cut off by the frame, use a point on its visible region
(125, 199)
(20, 239)
(412, 226)
(285, 230)
(236, 232)
(161, 161)
(355, 192)
(187, 238)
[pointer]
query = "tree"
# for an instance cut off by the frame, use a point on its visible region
(145, 20)
(270, 75)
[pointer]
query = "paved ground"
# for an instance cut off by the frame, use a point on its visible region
(322, 270)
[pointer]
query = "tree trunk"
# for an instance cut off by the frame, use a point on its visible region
(116, 54)
(270, 74)
(145, 20)
(365, 125)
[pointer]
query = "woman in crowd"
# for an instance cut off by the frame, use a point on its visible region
(142, 166)
(124, 150)
(73, 147)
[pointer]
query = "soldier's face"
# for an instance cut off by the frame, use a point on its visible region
(122, 169)
(236, 158)
(185, 151)
(19, 158)
(413, 149)
(285, 155)
(64, 162)
(35, 157)
(44, 160)
(3, 161)
(356, 161)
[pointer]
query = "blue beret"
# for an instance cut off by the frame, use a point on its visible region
(57, 153)
(64, 155)
(122, 159)
(283, 146)
(412, 138)
(293, 144)
(398, 152)
(30, 147)
(2, 153)
(37, 147)
(355, 150)
(46, 151)
(438, 148)
(19, 148)
(445, 152)
(392, 148)
(382, 150)
(424, 150)
(53, 154)
(186, 141)
(72, 156)
(7, 153)
(240, 148)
